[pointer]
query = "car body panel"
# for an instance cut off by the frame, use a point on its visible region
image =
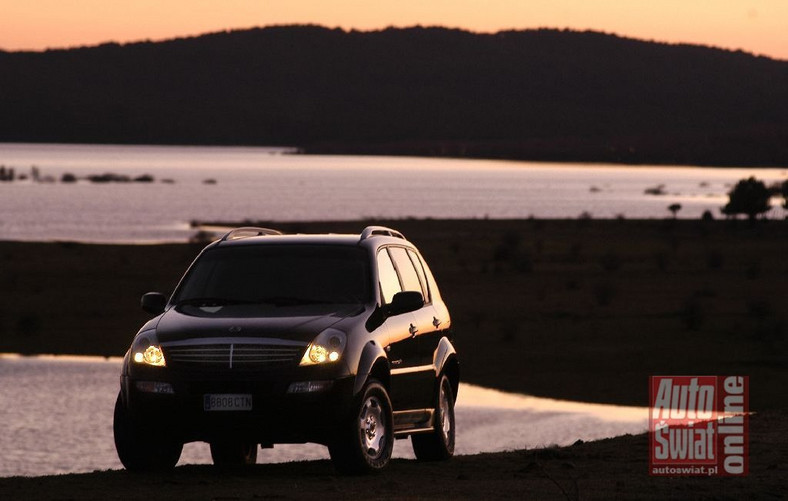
(258, 351)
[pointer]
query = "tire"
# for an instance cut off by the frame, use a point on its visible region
(233, 454)
(366, 439)
(439, 444)
(140, 449)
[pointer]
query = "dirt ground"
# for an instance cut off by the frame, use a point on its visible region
(576, 309)
(615, 468)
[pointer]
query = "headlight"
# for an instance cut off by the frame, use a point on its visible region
(327, 347)
(146, 350)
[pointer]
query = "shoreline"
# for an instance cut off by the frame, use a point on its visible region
(516, 152)
(429, 149)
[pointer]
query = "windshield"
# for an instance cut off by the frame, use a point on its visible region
(282, 275)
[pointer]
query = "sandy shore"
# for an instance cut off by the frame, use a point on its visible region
(583, 310)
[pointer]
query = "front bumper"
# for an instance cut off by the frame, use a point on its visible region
(276, 415)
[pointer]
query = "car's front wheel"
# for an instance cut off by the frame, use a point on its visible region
(365, 442)
(233, 454)
(438, 445)
(142, 449)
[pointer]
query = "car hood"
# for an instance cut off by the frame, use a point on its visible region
(295, 324)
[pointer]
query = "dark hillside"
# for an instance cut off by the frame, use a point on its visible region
(545, 94)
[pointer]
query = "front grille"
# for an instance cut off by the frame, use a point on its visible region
(232, 356)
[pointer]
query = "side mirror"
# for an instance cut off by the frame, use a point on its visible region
(405, 302)
(153, 302)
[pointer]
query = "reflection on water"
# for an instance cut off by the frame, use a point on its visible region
(56, 415)
(490, 420)
(254, 184)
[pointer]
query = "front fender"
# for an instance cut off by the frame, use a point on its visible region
(372, 355)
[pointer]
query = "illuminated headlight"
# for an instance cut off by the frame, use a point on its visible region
(146, 350)
(327, 347)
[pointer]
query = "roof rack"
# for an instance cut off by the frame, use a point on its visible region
(380, 231)
(248, 231)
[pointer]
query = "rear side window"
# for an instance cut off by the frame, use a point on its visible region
(422, 277)
(407, 273)
(389, 283)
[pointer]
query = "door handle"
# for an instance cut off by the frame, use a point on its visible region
(436, 322)
(413, 330)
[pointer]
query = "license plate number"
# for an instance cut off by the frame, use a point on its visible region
(227, 402)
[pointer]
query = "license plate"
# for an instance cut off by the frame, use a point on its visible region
(227, 402)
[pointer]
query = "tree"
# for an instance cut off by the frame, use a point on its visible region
(674, 209)
(750, 197)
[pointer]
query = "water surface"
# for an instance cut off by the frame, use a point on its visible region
(266, 184)
(56, 415)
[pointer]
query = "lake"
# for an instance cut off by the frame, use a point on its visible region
(56, 415)
(271, 184)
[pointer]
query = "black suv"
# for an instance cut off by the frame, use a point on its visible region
(341, 340)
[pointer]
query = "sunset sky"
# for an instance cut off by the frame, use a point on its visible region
(758, 26)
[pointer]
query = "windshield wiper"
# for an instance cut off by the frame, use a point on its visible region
(291, 301)
(212, 301)
(274, 300)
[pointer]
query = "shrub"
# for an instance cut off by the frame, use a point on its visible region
(750, 197)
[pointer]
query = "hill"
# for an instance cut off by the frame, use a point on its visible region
(538, 94)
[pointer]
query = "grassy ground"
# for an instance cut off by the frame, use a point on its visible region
(576, 309)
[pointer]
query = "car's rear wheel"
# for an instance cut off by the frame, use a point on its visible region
(233, 454)
(439, 444)
(365, 442)
(140, 448)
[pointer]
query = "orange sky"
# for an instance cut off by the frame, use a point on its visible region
(758, 26)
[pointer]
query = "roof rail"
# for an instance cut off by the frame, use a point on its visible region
(375, 231)
(248, 231)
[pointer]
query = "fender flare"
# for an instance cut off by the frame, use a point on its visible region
(370, 356)
(443, 352)
(445, 357)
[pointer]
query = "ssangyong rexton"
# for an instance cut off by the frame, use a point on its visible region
(341, 340)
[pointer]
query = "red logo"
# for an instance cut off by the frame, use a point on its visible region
(699, 425)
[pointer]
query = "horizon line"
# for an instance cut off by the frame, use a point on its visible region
(175, 38)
